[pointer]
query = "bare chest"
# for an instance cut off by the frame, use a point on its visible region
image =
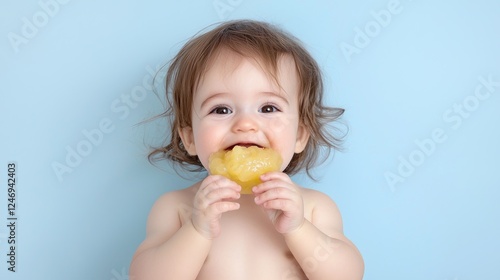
(250, 248)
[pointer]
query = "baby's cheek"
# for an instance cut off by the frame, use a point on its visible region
(286, 161)
(279, 125)
(207, 142)
(282, 132)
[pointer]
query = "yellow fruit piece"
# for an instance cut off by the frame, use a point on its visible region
(244, 165)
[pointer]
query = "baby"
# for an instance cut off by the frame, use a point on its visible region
(246, 83)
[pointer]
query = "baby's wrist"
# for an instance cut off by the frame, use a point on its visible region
(192, 227)
(296, 231)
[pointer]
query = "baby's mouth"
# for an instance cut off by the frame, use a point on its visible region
(246, 145)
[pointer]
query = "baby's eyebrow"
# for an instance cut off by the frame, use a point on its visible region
(280, 96)
(218, 94)
(212, 96)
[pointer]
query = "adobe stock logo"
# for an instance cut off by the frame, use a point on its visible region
(123, 275)
(121, 107)
(224, 8)
(364, 36)
(30, 27)
(454, 117)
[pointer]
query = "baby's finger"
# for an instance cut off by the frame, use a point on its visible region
(204, 200)
(215, 188)
(274, 193)
(275, 176)
(217, 181)
(273, 184)
(285, 205)
(220, 207)
(220, 194)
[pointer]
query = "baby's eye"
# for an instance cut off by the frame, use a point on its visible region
(269, 109)
(221, 110)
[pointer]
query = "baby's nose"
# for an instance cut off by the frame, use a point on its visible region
(245, 122)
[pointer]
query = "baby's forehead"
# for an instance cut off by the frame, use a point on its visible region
(225, 62)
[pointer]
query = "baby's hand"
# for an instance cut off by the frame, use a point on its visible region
(215, 196)
(282, 200)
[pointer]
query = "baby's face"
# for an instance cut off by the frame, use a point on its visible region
(237, 103)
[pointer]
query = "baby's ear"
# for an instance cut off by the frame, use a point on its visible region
(186, 134)
(302, 138)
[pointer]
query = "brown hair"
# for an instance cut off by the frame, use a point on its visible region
(266, 43)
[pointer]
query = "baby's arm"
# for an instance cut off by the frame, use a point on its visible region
(320, 246)
(177, 244)
(170, 251)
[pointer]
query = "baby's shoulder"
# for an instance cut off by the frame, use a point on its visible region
(323, 211)
(177, 194)
(315, 197)
(173, 206)
(176, 199)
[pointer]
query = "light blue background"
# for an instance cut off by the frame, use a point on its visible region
(441, 223)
